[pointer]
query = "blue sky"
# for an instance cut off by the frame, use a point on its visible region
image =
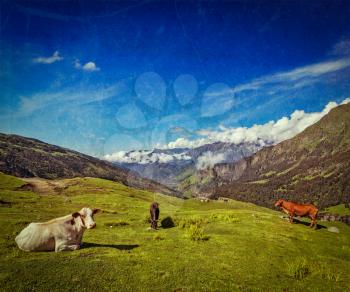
(112, 76)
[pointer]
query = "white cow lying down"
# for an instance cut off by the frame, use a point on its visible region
(64, 233)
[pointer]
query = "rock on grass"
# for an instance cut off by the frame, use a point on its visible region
(333, 229)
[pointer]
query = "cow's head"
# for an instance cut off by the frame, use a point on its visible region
(279, 203)
(87, 217)
(154, 205)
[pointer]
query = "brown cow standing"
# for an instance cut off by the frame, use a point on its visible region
(154, 212)
(293, 209)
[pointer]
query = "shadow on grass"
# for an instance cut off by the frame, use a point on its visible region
(297, 221)
(167, 222)
(116, 246)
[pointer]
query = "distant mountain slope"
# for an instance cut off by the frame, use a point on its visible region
(314, 166)
(171, 166)
(26, 157)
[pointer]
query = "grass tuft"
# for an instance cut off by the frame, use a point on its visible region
(229, 218)
(346, 248)
(189, 221)
(196, 233)
(158, 237)
(299, 268)
(327, 273)
(147, 219)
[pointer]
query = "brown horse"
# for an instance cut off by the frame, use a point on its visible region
(154, 212)
(293, 209)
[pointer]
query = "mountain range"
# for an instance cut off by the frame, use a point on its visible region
(171, 166)
(27, 157)
(314, 166)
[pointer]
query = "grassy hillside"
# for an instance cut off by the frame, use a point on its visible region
(313, 166)
(339, 210)
(27, 157)
(214, 246)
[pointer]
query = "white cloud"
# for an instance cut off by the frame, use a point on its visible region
(274, 89)
(89, 66)
(186, 143)
(77, 64)
(49, 60)
(298, 77)
(209, 159)
(144, 157)
(69, 97)
(342, 47)
(275, 132)
(346, 101)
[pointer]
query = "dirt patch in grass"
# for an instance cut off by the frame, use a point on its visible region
(43, 186)
(5, 204)
(116, 224)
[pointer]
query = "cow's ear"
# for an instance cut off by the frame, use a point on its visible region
(76, 214)
(95, 211)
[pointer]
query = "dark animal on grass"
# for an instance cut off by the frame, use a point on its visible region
(302, 210)
(154, 212)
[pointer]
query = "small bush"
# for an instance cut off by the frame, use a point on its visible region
(230, 218)
(193, 227)
(187, 222)
(167, 222)
(196, 233)
(298, 269)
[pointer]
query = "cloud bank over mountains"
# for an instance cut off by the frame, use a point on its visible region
(273, 131)
(209, 159)
(144, 157)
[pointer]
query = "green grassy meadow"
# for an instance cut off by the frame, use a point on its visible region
(214, 246)
(338, 209)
